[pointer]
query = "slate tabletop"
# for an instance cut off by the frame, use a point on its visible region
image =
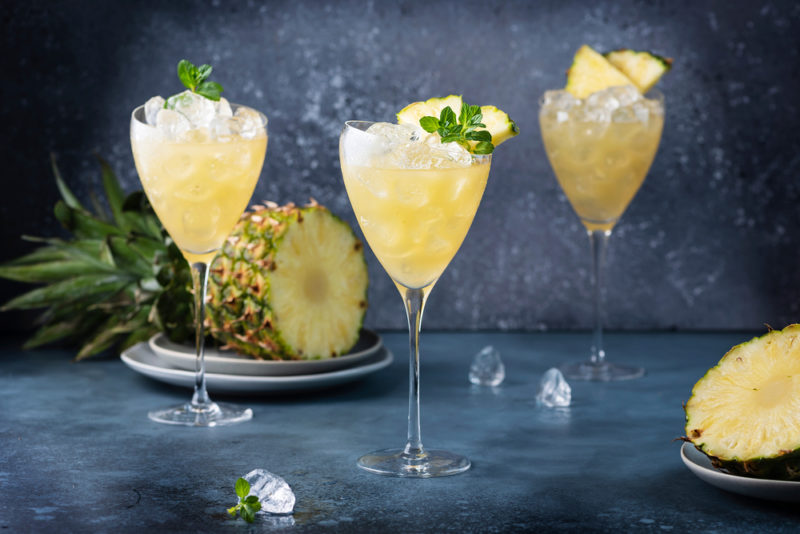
(78, 454)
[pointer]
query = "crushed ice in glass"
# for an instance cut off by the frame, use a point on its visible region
(191, 117)
(487, 368)
(615, 104)
(403, 146)
(274, 493)
(554, 392)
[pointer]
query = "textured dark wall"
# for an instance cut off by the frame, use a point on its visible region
(710, 241)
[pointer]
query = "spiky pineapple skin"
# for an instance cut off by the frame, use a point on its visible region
(238, 312)
(783, 466)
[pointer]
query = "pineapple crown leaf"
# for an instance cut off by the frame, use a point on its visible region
(101, 285)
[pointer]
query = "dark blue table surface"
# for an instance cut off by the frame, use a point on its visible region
(79, 454)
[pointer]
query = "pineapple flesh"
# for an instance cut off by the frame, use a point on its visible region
(745, 412)
(290, 283)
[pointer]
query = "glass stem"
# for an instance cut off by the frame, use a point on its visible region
(200, 399)
(599, 242)
(415, 303)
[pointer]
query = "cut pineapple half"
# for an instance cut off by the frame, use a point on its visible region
(412, 113)
(290, 283)
(745, 412)
(591, 72)
(643, 68)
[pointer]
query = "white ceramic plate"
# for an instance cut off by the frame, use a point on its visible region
(143, 360)
(231, 363)
(773, 490)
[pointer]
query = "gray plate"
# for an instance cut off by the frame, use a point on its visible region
(231, 363)
(143, 360)
(760, 488)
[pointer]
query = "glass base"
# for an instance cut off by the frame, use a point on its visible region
(600, 372)
(397, 463)
(213, 414)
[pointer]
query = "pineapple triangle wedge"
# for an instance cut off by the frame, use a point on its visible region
(591, 72)
(643, 68)
(290, 283)
(744, 414)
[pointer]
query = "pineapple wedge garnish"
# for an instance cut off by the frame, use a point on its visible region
(644, 69)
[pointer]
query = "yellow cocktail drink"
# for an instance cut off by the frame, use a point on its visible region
(415, 219)
(199, 187)
(601, 162)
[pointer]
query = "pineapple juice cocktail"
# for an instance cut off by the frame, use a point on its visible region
(601, 149)
(199, 184)
(415, 219)
(198, 158)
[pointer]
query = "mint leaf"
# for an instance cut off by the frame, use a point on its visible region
(210, 90)
(462, 129)
(242, 488)
(185, 73)
(479, 135)
(194, 78)
(247, 514)
(252, 500)
(429, 124)
(203, 72)
(484, 147)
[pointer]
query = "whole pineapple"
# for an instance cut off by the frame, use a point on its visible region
(744, 414)
(289, 283)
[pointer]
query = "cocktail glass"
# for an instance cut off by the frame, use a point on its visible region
(199, 182)
(600, 149)
(415, 202)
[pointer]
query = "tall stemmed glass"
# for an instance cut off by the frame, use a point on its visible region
(415, 203)
(600, 149)
(199, 181)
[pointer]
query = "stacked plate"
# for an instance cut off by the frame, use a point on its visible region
(228, 372)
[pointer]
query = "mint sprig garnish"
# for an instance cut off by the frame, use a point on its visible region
(195, 79)
(462, 129)
(248, 505)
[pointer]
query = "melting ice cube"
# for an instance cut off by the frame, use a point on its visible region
(172, 124)
(554, 390)
(151, 109)
(274, 493)
(197, 108)
(487, 369)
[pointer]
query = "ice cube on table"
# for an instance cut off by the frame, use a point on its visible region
(198, 109)
(172, 124)
(274, 493)
(554, 391)
(487, 368)
(151, 109)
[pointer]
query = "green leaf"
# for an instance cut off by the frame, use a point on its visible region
(71, 200)
(203, 72)
(210, 90)
(49, 333)
(483, 147)
(248, 514)
(252, 500)
(447, 117)
(83, 225)
(74, 289)
(51, 271)
(185, 68)
(114, 193)
(429, 124)
(242, 488)
(480, 135)
(232, 510)
(40, 255)
(127, 258)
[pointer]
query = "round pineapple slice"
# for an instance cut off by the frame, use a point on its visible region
(745, 412)
(290, 283)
